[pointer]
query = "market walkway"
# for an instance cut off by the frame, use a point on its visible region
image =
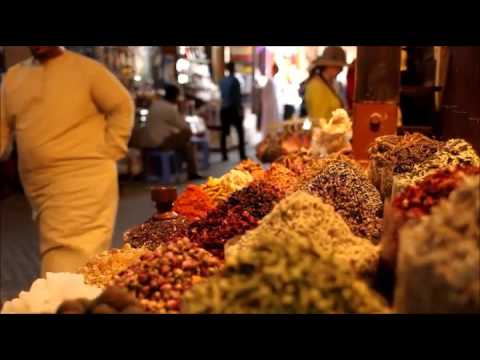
(19, 257)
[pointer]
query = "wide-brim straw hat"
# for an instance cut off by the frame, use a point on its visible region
(332, 56)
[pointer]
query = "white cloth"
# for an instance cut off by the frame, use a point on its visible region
(270, 106)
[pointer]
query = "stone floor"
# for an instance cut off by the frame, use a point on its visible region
(19, 257)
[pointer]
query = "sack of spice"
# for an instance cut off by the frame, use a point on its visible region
(392, 155)
(439, 258)
(414, 202)
(455, 152)
(278, 277)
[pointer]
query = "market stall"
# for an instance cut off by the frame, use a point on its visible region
(311, 233)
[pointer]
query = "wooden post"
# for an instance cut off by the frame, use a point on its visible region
(377, 90)
(218, 62)
(15, 54)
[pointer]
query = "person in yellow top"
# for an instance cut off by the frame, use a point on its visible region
(321, 97)
(71, 120)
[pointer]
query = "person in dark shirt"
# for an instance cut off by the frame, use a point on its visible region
(232, 111)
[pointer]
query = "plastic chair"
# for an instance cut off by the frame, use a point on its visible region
(166, 159)
(202, 144)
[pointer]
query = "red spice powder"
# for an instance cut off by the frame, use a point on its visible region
(193, 203)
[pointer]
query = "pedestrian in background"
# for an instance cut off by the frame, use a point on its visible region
(231, 113)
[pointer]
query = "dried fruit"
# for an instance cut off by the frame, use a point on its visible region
(159, 279)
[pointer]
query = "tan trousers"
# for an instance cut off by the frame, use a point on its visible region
(76, 214)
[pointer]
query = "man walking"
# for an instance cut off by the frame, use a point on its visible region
(71, 119)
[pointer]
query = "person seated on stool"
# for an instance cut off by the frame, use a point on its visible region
(167, 130)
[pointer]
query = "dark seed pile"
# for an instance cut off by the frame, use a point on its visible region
(156, 231)
(349, 191)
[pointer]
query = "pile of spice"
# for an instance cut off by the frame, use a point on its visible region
(270, 148)
(391, 155)
(297, 161)
(416, 201)
(159, 279)
(343, 185)
(193, 203)
(439, 258)
(156, 231)
(305, 218)
(281, 177)
(251, 167)
(166, 225)
(220, 189)
(283, 277)
(455, 152)
(113, 300)
(241, 212)
(101, 270)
